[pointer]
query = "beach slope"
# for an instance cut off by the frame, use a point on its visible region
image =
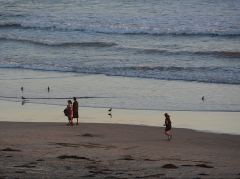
(54, 150)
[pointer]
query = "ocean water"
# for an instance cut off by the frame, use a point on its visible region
(192, 47)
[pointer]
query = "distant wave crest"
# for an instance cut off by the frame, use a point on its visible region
(59, 44)
(111, 29)
(230, 54)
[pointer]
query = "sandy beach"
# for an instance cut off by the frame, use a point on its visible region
(54, 150)
(127, 63)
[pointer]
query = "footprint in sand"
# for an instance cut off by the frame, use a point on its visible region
(68, 144)
(187, 165)
(204, 166)
(25, 166)
(150, 160)
(40, 160)
(62, 157)
(91, 167)
(152, 176)
(8, 149)
(87, 135)
(90, 135)
(89, 176)
(170, 166)
(203, 174)
(126, 157)
(87, 145)
(20, 171)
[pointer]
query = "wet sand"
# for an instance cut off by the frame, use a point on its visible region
(54, 150)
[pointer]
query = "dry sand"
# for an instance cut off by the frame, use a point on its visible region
(54, 150)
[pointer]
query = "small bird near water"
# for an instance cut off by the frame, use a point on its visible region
(110, 112)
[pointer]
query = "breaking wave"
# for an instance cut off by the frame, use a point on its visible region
(119, 29)
(198, 74)
(62, 44)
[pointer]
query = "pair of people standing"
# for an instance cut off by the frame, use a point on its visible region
(72, 111)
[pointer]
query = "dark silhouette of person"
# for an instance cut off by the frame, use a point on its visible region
(22, 88)
(48, 89)
(23, 102)
(203, 98)
(70, 113)
(75, 109)
(168, 126)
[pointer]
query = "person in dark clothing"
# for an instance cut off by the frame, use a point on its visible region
(70, 113)
(168, 126)
(75, 109)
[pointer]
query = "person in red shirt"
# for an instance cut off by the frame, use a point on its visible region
(75, 109)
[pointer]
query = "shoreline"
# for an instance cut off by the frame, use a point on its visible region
(76, 74)
(215, 122)
(90, 150)
(124, 124)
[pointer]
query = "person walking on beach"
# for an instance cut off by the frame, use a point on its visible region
(168, 126)
(70, 113)
(75, 109)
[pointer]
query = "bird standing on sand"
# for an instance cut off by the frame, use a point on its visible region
(23, 100)
(110, 112)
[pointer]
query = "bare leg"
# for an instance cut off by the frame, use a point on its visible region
(169, 135)
(72, 122)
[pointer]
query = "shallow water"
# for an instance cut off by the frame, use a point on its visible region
(117, 92)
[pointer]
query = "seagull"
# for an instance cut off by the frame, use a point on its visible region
(110, 110)
(23, 102)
